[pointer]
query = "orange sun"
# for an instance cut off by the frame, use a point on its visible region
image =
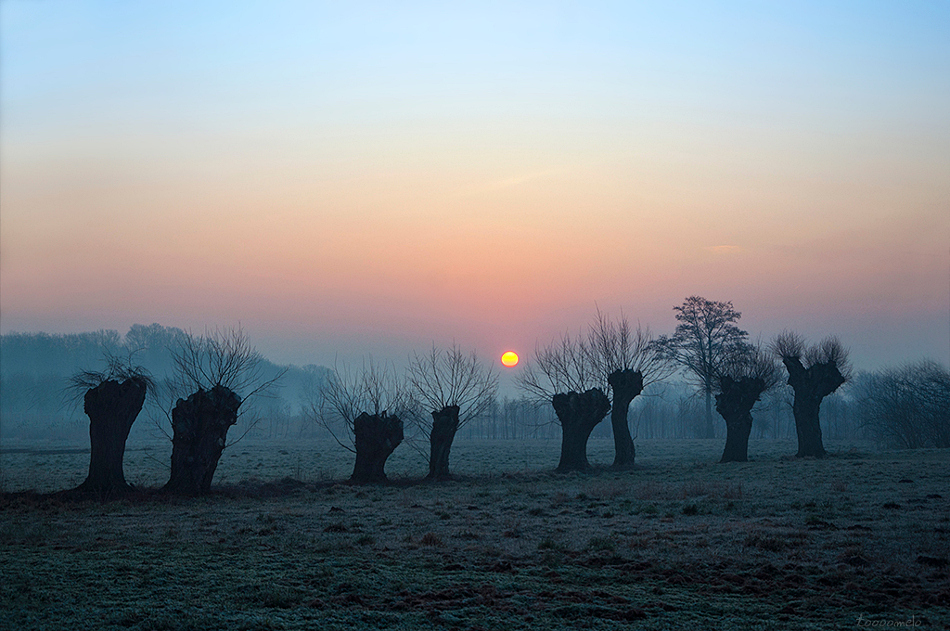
(510, 359)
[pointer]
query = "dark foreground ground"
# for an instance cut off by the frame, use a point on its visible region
(858, 540)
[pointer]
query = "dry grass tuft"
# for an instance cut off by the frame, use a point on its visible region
(714, 489)
(653, 490)
(513, 529)
(431, 539)
(762, 541)
(604, 490)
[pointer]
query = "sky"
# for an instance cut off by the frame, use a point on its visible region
(343, 179)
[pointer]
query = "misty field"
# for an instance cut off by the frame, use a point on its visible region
(860, 539)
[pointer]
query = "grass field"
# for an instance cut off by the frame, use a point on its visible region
(858, 540)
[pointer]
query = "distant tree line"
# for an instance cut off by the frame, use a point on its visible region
(670, 410)
(906, 407)
(197, 386)
(36, 371)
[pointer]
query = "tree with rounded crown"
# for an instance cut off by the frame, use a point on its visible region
(704, 340)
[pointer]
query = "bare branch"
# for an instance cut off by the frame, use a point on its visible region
(753, 362)
(705, 339)
(443, 378)
(221, 357)
(374, 389)
(789, 345)
(907, 407)
(560, 367)
(118, 367)
(616, 345)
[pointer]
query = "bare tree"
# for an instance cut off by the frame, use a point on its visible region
(627, 360)
(221, 371)
(703, 342)
(908, 407)
(456, 388)
(112, 399)
(740, 383)
(368, 403)
(564, 375)
(814, 372)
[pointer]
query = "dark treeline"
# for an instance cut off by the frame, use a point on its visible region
(34, 375)
(36, 401)
(35, 369)
(674, 410)
(898, 407)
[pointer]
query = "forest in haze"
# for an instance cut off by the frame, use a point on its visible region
(37, 404)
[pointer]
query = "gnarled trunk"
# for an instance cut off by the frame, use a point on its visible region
(734, 403)
(625, 385)
(377, 436)
(578, 414)
(808, 427)
(200, 424)
(445, 424)
(811, 385)
(112, 407)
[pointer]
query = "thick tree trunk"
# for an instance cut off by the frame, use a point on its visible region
(811, 385)
(377, 436)
(735, 403)
(200, 424)
(625, 385)
(112, 407)
(808, 427)
(578, 414)
(445, 423)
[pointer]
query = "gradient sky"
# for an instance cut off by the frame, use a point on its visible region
(349, 178)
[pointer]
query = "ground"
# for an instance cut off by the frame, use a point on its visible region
(857, 540)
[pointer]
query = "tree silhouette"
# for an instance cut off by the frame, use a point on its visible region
(214, 368)
(564, 375)
(112, 399)
(703, 342)
(369, 403)
(627, 361)
(814, 372)
(907, 407)
(741, 381)
(456, 388)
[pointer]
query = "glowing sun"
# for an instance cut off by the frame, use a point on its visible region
(509, 359)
